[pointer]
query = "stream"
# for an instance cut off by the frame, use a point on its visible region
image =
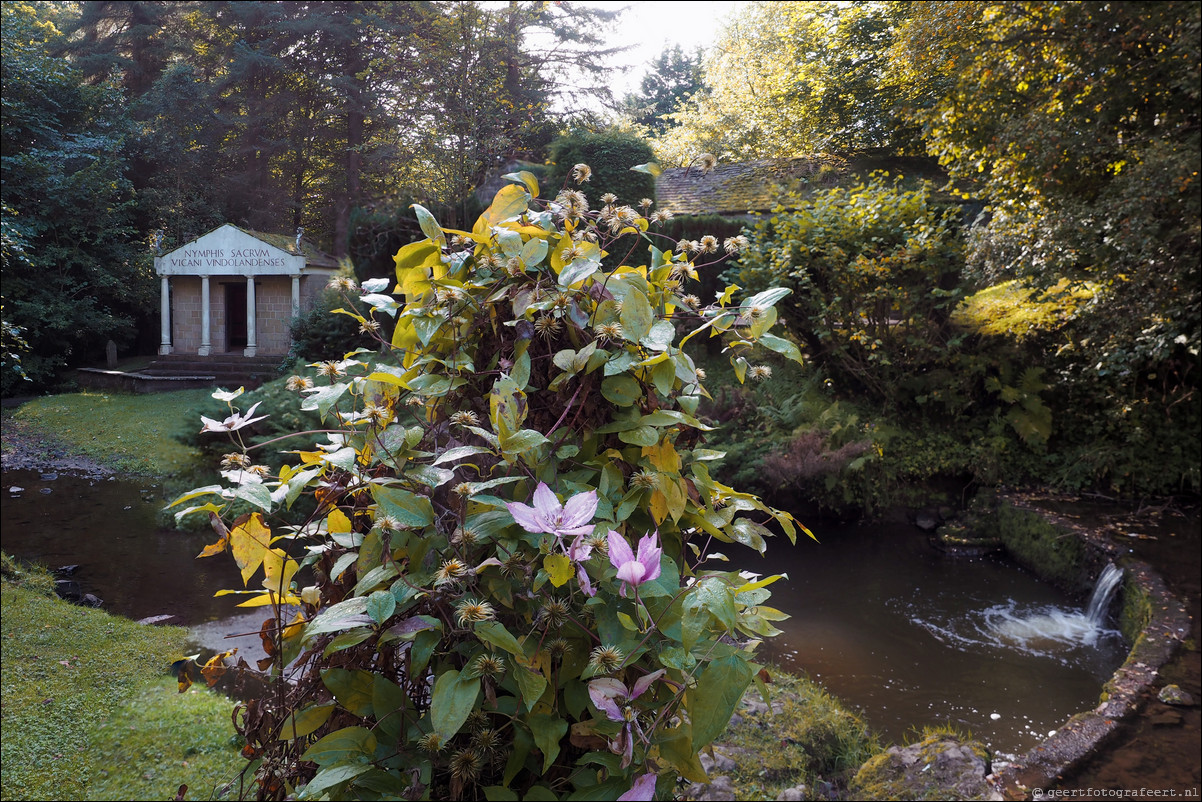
(899, 631)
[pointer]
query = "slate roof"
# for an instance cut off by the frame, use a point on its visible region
(759, 186)
(313, 257)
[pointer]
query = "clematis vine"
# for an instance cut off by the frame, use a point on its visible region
(634, 569)
(613, 698)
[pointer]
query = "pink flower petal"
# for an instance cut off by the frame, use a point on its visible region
(643, 789)
(525, 516)
(619, 550)
(633, 572)
(546, 503)
(603, 692)
(577, 512)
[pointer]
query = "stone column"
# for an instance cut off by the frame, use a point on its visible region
(296, 301)
(250, 317)
(165, 316)
(206, 342)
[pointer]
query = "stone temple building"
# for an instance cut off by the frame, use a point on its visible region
(234, 292)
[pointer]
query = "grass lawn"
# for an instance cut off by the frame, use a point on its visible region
(96, 715)
(129, 433)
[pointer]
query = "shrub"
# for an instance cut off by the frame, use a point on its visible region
(511, 517)
(875, 271)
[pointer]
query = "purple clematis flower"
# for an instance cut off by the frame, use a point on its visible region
(550, 517)
(635, 570)
(233, 422)
(643, 789)
(612, 697)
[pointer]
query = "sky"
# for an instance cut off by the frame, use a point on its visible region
(650, 25)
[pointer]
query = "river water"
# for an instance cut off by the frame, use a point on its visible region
(899, 631)
(913, 638)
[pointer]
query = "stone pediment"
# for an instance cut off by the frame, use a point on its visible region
(230, 250)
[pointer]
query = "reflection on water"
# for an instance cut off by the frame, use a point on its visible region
(913, 638)
(108, 527)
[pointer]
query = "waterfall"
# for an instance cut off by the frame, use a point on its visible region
(1103, 591)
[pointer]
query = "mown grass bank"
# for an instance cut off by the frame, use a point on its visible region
(127, 433)
(89, 709)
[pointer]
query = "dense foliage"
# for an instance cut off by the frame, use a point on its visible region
(509, 580)
(74, 273)
(875, 273)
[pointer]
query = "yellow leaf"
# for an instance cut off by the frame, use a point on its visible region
(216, 668)
(659, 506)
(278, 570)
(249, 541)
(663, 456)
(559, 568)
(337, 521)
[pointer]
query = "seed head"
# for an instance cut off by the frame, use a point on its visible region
(709, 244)
(235, 460)
(547, 326)
(581, 173)
(342, 283)
(554, 613)
(605, 659)
(450, 572)
(488, 665)
(297, 383)
(760, 372)
(465, 417)
(466, 765)
(736, 244)
(471, 611)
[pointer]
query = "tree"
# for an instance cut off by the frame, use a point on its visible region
(79, 276)
(794, 79)
(1080, 122)
(671, 79)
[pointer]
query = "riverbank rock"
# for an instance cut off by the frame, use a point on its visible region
(1174, 695)
(939, 767)
(720, 789)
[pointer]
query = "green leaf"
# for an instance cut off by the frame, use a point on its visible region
(526, 178)
(660, 336)
(494, 632)
(324, 398)
(453, 698)
(766, 298)
(533, 252)
(781, 346)
(347, 743)
(712, 702)
(532, 684)
(621, 390)
(352, 689)
(750, 533)
(429, 225)
(380, 606)
(522, 441)
(636, 316)
(410, 509)
(306, 721)
(548, 731)
(347, 639)
(578, 270)
(329, 777)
